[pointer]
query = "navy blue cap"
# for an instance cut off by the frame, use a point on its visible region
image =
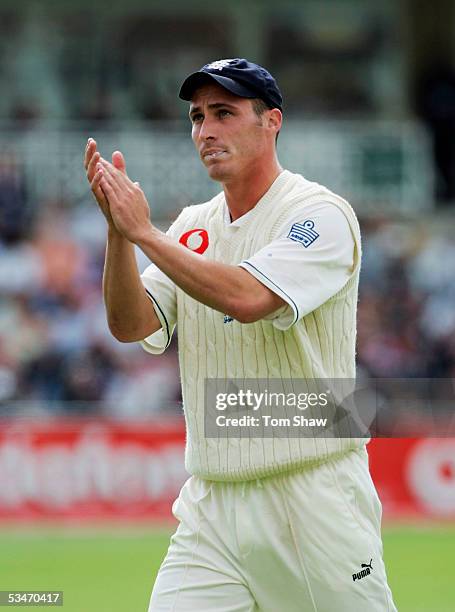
(240, 77)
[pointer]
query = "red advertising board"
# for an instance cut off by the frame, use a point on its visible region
(415, 477)
(97, 469)
(90, 469)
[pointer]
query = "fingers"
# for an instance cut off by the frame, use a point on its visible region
(95, 183)
(108, 180)
(115, 176)
(90, 149)
(91, 158)
(97, 191)
(113, 180)
(91, 168)
(108, 188)
(118, 161)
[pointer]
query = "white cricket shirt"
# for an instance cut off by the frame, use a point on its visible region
(310, 261)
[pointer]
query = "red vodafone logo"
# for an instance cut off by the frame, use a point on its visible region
(196, 240)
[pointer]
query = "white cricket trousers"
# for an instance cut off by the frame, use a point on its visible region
(289, 543)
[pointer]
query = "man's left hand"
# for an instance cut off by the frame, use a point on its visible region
(127, 203)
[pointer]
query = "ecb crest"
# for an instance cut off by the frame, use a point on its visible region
(220, 64)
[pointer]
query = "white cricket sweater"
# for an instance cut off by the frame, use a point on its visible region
(320, 344)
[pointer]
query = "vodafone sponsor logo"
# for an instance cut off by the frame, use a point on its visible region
(430, 473)
(90, 473)
(196, 240)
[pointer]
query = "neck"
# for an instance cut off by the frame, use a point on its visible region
(243, 193)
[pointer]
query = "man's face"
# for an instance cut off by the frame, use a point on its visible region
(229, 136)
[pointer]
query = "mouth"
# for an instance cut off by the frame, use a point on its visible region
(212, 154)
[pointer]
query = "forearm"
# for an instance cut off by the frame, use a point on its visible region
(130, 312)
(217, 285)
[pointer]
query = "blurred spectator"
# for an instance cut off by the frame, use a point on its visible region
(62, 258)
(23, 259)
(41, 377)
(14, 211)
(86, 375)
(23, 336)
(436, 106)
(25, 113)
(146, 386)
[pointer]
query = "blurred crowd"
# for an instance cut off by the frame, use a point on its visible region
(406, 320)
(56, 351)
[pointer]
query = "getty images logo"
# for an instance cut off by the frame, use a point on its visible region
(366, 570)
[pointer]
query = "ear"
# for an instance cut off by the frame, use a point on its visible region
(275, 119)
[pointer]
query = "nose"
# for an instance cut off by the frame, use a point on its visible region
(207, 129)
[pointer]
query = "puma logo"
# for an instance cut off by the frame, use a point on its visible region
(366, 570)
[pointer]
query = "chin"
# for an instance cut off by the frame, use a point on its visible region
(217, 173)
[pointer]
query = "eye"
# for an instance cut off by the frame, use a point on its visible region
(223, 113)
(196, 117)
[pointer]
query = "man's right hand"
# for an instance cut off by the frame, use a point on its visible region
(91, 158)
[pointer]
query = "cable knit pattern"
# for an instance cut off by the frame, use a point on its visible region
(319, 345)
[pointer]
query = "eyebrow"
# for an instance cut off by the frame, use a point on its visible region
(197, 109)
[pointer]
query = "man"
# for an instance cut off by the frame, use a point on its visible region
(262, 284)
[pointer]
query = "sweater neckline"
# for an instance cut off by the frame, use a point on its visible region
(269, 195)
